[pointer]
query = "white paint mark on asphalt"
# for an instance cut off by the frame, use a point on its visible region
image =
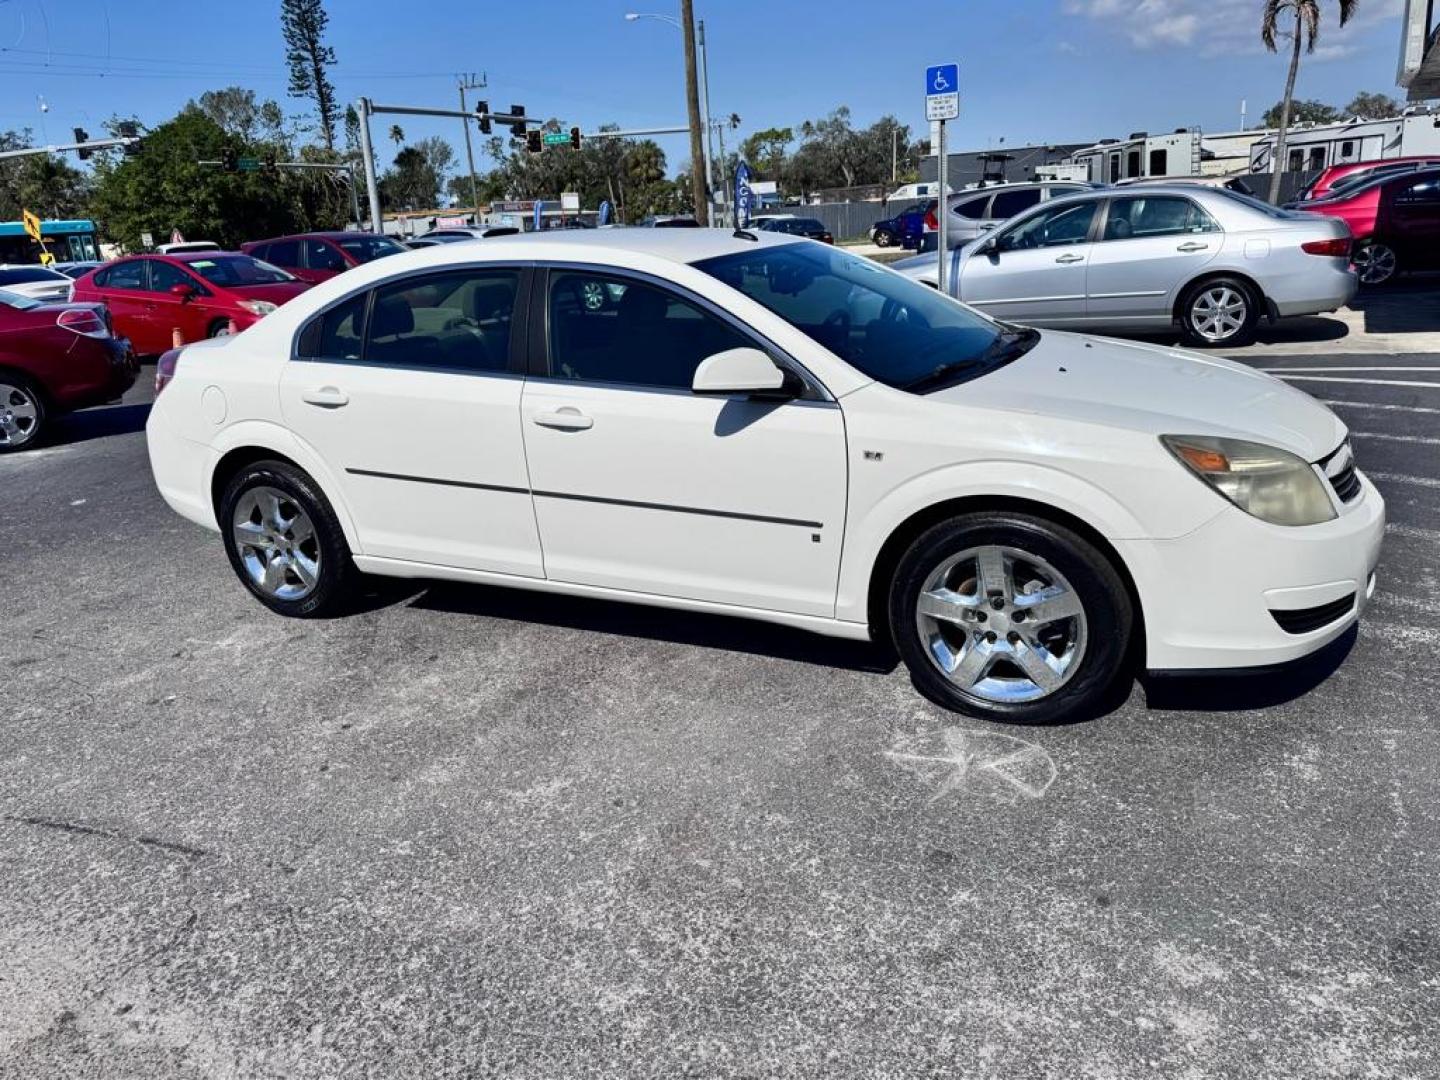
(1410, 635)
(1379, 405)
(1413, 532)
(1283, 370)
(1187, 968)
(955, 761)
(1423, 439)
(1366, 382)
(1401, 478)
(78, 502)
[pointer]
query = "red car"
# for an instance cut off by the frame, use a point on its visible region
(55, 357)
(1395, 220)
(1354, 173)
(198, 293)
(316, 257)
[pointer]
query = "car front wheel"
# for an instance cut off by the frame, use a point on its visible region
(22, 413)
(1221, 312)
(1375, 264)
(1010, 618)
(284, 541)
(883, 238)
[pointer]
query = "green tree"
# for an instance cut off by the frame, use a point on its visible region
(303, 23)
(165, 187)
(397, 134)
(1374, 106)
(1300, 20)
(832, 153)
(1301, 112)
(765, 151)
(44, 184)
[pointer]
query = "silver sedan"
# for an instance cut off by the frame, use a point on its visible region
(1212, 262)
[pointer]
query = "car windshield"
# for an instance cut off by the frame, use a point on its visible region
(368, 248)
(227, 270)
(21, 275)
(897, 331)
(16, 301)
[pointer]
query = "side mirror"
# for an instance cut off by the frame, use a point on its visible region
(742, 371)
(184, 292)
(988, 246)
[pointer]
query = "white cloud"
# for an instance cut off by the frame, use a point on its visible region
(1214, 27)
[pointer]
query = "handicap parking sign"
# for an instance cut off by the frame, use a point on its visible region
(942, 92)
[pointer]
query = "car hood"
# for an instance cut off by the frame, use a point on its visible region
(1156, 390)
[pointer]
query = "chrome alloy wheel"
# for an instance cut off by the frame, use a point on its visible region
(1374, 263)
(1219, 313)
(277, 544)
(1001, 624)
(19, 415)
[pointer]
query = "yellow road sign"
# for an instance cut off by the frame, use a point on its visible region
(32, 224)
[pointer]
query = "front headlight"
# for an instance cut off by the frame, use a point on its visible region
(1272, 484)
(258, 307)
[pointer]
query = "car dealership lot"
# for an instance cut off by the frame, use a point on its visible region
(471, 832)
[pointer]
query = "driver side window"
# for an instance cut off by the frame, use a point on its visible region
(1054, 227)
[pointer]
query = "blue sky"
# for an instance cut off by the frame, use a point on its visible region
(1032, 70)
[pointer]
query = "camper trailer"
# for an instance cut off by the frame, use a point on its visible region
(1310, 149)
(1141, 155)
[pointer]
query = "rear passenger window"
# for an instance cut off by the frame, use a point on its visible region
(973, 209)
(1009, 203)
(458, 321)
(339, 334)
(616, 330)
(321, 256)
(1165, 215)
(285, 253)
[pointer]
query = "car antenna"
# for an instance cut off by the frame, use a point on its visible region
(745, 234)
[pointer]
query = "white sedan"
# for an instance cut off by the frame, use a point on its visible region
(767, 427)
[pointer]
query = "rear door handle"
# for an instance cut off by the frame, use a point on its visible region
(1070, 259)
(1192, 246)
(564, 419)
(327, 397)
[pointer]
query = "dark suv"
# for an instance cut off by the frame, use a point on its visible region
(905, 228)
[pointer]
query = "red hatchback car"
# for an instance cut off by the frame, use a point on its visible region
(1353, 173)
(1395, 221)
(54, 358)
(319, 256)
(198, 293)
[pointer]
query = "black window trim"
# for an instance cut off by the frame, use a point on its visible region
(538, 351)
(144, 264)
(515, 364)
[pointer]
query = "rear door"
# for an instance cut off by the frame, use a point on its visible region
(124, 287)
(411, 393)
(1036, 274)
(322, 261)
(1150, 246)
(286, 255)
(1413, 228)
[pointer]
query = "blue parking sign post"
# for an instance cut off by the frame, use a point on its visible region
(942, 103)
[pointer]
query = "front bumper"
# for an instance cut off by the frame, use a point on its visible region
(1208, 598)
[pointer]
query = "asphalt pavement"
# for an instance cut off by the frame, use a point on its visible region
(470, 832)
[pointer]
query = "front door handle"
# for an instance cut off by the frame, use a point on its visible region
(327, 397)
(566, 419)
(1070, 259)
(1193, 246)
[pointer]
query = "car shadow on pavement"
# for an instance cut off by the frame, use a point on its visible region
(1240, 691)
(656, 624)
(100, 423)
(1300, 330)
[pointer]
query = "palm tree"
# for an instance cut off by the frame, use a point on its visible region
(397, 134)
(1306, 15)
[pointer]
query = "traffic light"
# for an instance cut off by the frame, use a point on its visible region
(533, 142)
(82, 136)
(575, 137)
(482, 110)
(517, 125)
(269, 161)
(129, 129)
(229, 159)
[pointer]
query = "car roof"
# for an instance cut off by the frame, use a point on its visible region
(197, 256)
(674, 245)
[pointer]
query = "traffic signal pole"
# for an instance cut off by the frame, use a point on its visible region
(92, 144)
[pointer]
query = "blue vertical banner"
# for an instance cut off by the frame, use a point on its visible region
(603, 217)
(539, 213)
(744, 197)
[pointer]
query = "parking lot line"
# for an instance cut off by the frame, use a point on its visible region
(1401, 478)
(1395, 438)
(1379, 405)
(1281, 371)
(1345, 379)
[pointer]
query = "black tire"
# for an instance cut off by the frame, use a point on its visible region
(218, 328)
(1105, 627)
(1191, 324)
(333, 584)
(1376, 264)
(24, 414)
(884, 238)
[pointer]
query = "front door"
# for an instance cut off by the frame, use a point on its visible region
(411, 392)
(1151, 245)
(1413, 227)
(1036, 272)
(641, 485)
(322, 262)
(166, 313)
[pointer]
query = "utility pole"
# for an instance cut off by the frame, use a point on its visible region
(698, 157)
(705, 116)
(469, 82)
(367, 151)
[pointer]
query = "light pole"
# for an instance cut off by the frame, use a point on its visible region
(695, 99)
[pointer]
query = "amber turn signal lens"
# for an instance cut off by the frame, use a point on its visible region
(1205, 461)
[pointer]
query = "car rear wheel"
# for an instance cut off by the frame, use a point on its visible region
(284, 540)
(1375, 264)
(1221, 312)
(219, 328)
(884, 238)
(1010, 618)
(22, 413)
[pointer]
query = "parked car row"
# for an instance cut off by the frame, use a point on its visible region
(1394, 217)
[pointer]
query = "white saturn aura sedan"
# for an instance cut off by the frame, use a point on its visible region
(764, 426)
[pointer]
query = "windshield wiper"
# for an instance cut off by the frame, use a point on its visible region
(1010, 344)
